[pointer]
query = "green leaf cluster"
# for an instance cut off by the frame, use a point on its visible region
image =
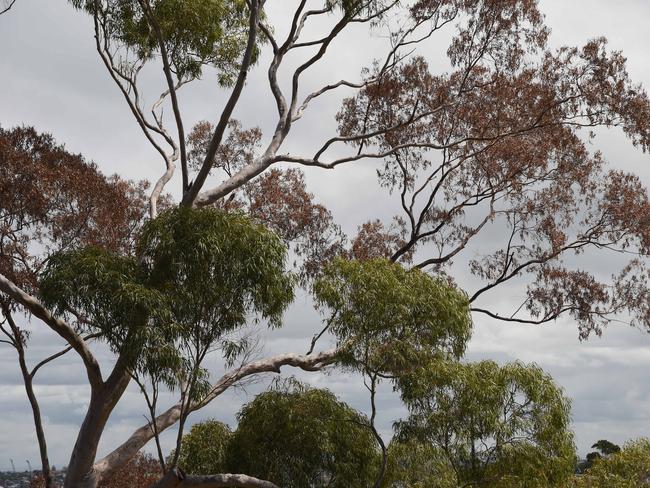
(628, 468)
(196, 276)
(389, 319)
(204, 448)
(300, 437)
(413, 464)
(498, 426)
(354, 8)
(196, 33)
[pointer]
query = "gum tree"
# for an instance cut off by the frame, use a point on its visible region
(498, 141)
(487, 425)
(301, 437)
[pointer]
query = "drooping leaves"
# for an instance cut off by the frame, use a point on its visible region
(301, 437)
(629, 467)
(216, 267)
(52, 200)
(496, 426)
(195, 33)
(196, 276)
(205, 448)
(388, 319)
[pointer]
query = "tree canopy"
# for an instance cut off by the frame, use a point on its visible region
(490, 425)
(195, 276)
(205, 448)
(493, 168)
(388, 319)
(301, 437)
(626, 468)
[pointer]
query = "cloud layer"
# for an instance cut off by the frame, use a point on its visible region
(52, 79)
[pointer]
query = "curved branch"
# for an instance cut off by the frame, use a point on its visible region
(171, 87)
(217, 136)
(107, 466)
(176, 478)
(61, 327)
(58, 355)
(505, 318)
(226, 480)
(8, 8)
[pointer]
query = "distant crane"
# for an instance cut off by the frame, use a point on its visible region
(13, 466)
(29, 465)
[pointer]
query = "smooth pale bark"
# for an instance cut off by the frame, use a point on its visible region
(176, 478)
(192, 192)
(81, 471)
(313, 362)
(61, 327)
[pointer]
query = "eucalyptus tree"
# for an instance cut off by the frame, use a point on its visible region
(489, 425)
(495, 142)
(627, 467)
(194, 277)
(415, 464)
(205, 447)
(301, 437)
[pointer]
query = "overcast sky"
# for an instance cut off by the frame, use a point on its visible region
(51, 78)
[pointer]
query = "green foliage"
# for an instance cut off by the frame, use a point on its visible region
(195, 32)
(110, 291)
(627, 468)
(606, 447)
(356, 8)
(204, 448)
(389, 319)
(196, 276)
(300, 437)
(215, 267)
(498, 426)
(412, 464)
(603, 449)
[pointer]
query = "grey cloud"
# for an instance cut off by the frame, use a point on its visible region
(52, 79)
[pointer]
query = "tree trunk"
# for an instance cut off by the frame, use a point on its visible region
(80, 469)
(29, 389)
(81, 472)
(38, 424)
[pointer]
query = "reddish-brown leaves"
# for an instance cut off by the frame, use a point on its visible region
(498, 141)
(51, 200)
(280, 200)
(375, 241)
(142, 471)
(237, 150)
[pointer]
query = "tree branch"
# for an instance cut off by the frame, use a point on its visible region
(6, 9)
(176, 478)
(141, 436)
(171, 86)
(59, 354)
(217, 136)
(61, 327)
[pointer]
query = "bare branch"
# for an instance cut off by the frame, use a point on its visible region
(141, 436)
(192, 193)
(171, 87)
(57, 325)
(59, 354)
(8, 7)
(176, 478)
(226, 480)
(101, 43)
